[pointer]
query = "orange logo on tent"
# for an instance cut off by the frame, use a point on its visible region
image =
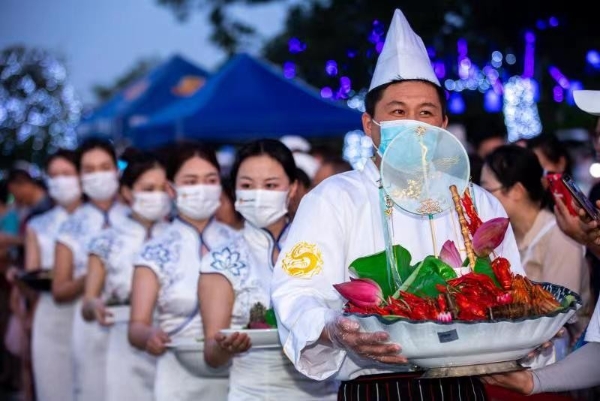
(188, 85)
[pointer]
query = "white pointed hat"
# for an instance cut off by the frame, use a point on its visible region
(403, 56)
(588, 101)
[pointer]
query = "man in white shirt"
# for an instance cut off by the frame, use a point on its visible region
(340, 221)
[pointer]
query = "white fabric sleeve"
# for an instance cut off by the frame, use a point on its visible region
(305, 299)
(230, 261)
(578, 370)
(156, 255)
(67, 234)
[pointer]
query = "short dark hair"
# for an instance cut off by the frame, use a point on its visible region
(269, 147)
(69, 155)
(512, 164)
(303, 178)
(182, 152)
(138, 164)
(96, 143)
(552, 148)
(338, 164)
(19, 176)
(4, 193)
(374, 95)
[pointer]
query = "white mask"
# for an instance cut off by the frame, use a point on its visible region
(261, 207)
(64, 189)
(152, 206)
(100, 186)
(198, 202)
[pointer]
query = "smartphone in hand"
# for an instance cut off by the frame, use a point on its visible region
(584, 202)
(560, 191)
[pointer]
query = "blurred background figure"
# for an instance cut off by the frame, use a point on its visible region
(486, 144)
(551, 153)
(304, 185)
(301, 149)
(226, 212)
(513, 175)
(330, 166)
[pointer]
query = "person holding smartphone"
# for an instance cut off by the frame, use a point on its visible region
(580, 369)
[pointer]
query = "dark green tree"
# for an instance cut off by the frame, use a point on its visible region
(38, 107)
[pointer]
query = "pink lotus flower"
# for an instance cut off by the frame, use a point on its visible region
(450, 255)
(489, 236)
(444, 317)
(361, 292)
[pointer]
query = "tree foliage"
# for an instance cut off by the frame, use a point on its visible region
(228, 33)
(342, 31)
(38, 107)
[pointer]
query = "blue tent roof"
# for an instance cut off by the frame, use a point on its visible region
(244, 100)
(170, 82)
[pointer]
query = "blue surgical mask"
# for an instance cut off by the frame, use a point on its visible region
(390, 130)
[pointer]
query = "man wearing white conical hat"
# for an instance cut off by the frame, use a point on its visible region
(340, 221)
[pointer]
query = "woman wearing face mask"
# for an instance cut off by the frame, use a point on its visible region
(99, 181)
(513, 175)
(52, 322)
(238, 275)
(129, 371)
(166, 276)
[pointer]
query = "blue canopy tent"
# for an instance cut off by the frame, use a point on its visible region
(248, 99)
(170, 82)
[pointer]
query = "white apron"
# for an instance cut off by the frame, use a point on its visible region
(259, 374)
(52, 323)
(89, 340)
(175, 258)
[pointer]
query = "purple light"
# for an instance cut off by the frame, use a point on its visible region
(575, 85)
(345, 84)
(379, 47)
(430, 52)
(351, 53)
(541, 24)
(559, 77)
(374, 37)
(464, 67)
(289, 70)
(529, 54)
(456, 104)
(295, 46)
(440, 69)
(326, 92)
(492, 102)
(461, 45)
(331, 68)
(553, 21)
(593, 57)
(557, 92)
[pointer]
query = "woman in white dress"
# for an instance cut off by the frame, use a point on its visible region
(129, 371)
(166, 277)
(52, 322)
(238, 275)
(99, 181)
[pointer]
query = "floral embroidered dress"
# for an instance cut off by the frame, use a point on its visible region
(175, 258)
(52, 322)
(129, 371)
(89, 340)
(259, 374)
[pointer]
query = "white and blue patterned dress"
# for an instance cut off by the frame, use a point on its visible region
(259, 374)
(89, 340)
(175, 258)
(52, 322)
(129, 371)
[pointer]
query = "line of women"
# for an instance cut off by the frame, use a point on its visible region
(141, 266)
